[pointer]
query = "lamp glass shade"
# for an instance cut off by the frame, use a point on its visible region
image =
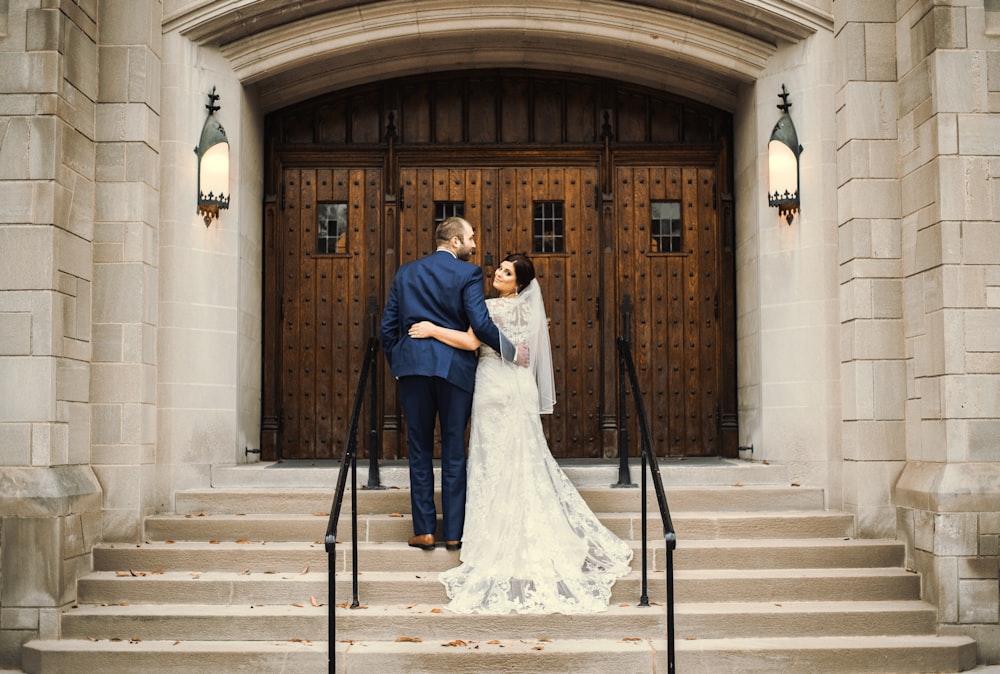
(213, 178)
(783, 172)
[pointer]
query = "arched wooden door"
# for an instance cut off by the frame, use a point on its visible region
(614, 190)
(550, 213)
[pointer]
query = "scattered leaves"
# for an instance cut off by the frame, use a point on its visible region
(493, 641)
(197, 514)
(115, 639)
(415, 640)
(134, 640)
(435, 610)
(296, 640)
(737, 484)
(213, 542)
(538, 648)
(169, 542)
(456, 642)
(244, 541)
(395, 514)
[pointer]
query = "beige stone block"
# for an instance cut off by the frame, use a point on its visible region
(984, 439)
(864, 11)
(875, 522)
(107, 342)
(27, 256)
(31, 562)
(122, 525)
(871, 108)
(890, 390)
(15, 333)
(72, 380)
(857, 386)
(81, 60)
(972, 396)
(30, 73)
(978, 568)
(978, 134)
(119, 454)
(19, 618)
(887, 298)
(116, 299)
(117, 382)
(955, 534)
(868, 198)
(923, 530)
(15, 439)
(982, 330)
(120, 485)
(959, 81)
(989, 545)
(989, 523)
(136, 122)
(22, 157)
(78, 440)
(28, 403)
(850, 52)
(914, 88)
(981, 242)
(114, 73)
(110, 161)
(978, 601)
(880, 52)
(982, 363)
(106, 424)
(919, 189)
(966, 188)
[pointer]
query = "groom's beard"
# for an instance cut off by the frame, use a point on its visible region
(464, 253)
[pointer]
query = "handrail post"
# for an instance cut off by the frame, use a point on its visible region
(374, 446)
(624, 479)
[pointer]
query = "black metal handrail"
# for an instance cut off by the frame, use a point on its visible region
(626, 364)
(350, 462)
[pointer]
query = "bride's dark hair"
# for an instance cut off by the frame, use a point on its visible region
(524, 269)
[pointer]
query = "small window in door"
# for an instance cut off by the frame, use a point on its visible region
(549, 227)
(447, 209)
(331, 230)
(666, 227)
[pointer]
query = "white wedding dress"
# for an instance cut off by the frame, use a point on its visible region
(531, 543)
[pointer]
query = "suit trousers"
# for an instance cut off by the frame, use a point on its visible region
(424, 400)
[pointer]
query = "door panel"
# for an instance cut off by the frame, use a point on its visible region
(326, 321)
(499, 202)
(674, 327)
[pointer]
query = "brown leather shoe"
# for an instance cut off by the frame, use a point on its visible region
(422, 541)
(453, 545)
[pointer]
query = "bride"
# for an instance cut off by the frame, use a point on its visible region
(532, 545)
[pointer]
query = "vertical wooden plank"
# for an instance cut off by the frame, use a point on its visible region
(675, 326)
(692, 377)
(708, 291)
(290, 332)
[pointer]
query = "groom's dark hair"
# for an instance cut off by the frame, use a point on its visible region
(524, 269)
(449, 228)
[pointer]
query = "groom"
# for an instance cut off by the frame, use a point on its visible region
(436, 380)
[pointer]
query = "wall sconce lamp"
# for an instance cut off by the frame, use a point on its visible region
(213, 165)
(783, 152)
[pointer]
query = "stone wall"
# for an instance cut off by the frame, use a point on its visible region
(49, 498)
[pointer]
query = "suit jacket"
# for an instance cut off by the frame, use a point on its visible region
(446, 291)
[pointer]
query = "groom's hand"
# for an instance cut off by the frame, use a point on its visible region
(523, 355)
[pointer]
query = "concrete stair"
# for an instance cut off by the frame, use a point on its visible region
(236, 581)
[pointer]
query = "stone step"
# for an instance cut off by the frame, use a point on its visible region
(693, 621)
(601, 499)
(302, 620)
(248, 587)
(398, 526)
(678, 471)
(702, 656)
(259, 557)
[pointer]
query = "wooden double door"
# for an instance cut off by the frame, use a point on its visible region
(336, 240)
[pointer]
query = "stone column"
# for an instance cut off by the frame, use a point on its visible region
(126, 241)
(49, 498)
(873, 365)
(948, 496)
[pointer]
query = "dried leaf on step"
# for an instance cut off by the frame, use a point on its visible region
(395, 514)
(137, 573)
(175, 643)
(545, 640)
(122, 574)
(297, 604)
(195, 575)
(346, 641)
(766, 463)
(122, 603)
(134, 640)
(320, 513)
(312, 600)
(632, 639)
(456, 642)
(777, 603)
(655, 603)
(169, 542)
(538, 648)
(691, 638)
(157, 572)
(737, 484)
(244, 541)
(493, 641)
(214, 542)
(272, 572)
(435, 610)
(342, 605)
(625, 603)
(410, 605)
(296, 640)
(394, 487)
(115, 639)
(91, 638)
(245, 572)
(305, 570)
(796, 484)
(415, 640)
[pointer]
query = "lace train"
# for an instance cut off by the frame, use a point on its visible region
(531, 543)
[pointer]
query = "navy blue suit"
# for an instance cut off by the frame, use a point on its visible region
(436, 381)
